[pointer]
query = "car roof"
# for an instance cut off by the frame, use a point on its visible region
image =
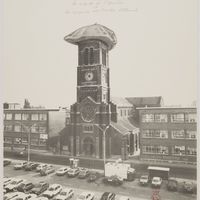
(55, 185)
(17, 179)
(123, 198)
(86, 193)
(156, 177)
(66, 189)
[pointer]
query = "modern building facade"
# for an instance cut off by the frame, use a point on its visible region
(39, 123)
(95, 127)
(168, 133)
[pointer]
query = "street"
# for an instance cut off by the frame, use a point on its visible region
(132, 189)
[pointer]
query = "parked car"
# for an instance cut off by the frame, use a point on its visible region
(86, 196)
(40, 167)
(31, 166)
(83, 173)
(93, 176)
(188, 187)
(47, 170)
(24, 196)
(113, 180)
(39, 198)
(40, 187)
(65, 194)
(73, 172)
(6, 162)
(124, 198)
(144, 180)
(172, 184)
(12, 195)
(108, 196)
(20, 165)
(25, 186)
(62, 171)
(6, 181)
(13, 184)
(156, 182)
(52, 191)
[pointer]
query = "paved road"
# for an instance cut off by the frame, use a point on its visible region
(131, 189)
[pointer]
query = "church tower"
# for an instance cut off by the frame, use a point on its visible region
(91, 113)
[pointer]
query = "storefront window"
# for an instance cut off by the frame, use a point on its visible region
(155, 150)
(178, 150)
(8, 140)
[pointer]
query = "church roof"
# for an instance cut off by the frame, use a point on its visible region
(94, 31)
(123, 126)
(121, 102)
(146, 101)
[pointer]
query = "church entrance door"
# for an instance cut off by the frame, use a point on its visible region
(88, 146)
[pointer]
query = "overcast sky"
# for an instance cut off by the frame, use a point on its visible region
(156, 53)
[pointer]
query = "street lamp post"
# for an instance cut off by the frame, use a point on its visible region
(28, 130)
(104, 144)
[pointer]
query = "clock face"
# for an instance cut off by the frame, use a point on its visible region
(89, 76)
(88, 112)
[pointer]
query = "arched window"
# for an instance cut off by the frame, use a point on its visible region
(86, 56)
(91, 55)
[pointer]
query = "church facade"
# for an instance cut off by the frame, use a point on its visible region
(95, 126)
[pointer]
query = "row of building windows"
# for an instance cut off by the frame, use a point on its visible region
(175, 150)
(175, 134)
(174, 118)
(24, 140)
(19, 128)
(25, 116)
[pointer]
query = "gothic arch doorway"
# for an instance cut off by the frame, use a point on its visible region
(88, 146)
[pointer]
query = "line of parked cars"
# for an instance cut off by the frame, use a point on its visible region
(20, 189)
(171, 184)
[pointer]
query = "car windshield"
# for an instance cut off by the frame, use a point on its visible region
(37, 185)
(155, 180)
(18, 163)
(63, 193)
(51, 189)
(144, 177)
(14, 183)
(22, 185)
(81, 197)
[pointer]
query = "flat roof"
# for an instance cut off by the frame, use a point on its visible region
(33, 109)
(158, 168)
(153, 108)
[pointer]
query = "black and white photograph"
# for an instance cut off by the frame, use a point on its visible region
(99, 100)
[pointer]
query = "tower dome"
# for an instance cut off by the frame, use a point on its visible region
(95, 32)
